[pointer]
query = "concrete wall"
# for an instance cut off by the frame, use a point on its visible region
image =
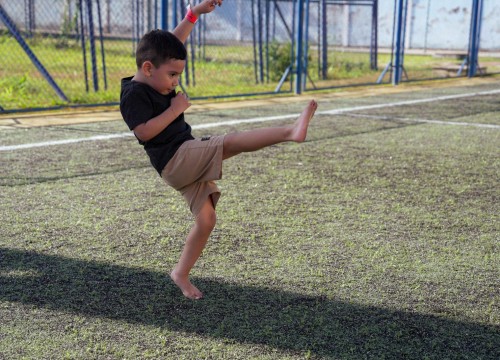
(431, 24)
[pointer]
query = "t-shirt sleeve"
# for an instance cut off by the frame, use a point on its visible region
(136, 108)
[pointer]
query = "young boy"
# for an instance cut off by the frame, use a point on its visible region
(155, 113)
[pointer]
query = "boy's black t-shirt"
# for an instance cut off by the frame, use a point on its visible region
(138, 104)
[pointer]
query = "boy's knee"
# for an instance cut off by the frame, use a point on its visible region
(207, 219)
(211, 219)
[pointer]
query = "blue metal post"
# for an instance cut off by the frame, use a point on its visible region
(374, 37)
(164, 14)
(306, 45)
(155, 14)
(475, 33)
(293, 60)
(174, 14)
(11, 26)
(29, 10)
(268, 12)
(479, 25)
(92, 46)
(324, 40)
(399, 46)
(103, 58)
(187, 74)
(254, 40)
(405, 15)
(82, 42)
(299, 39)
(259, 40)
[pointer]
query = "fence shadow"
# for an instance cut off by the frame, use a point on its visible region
(258, 315)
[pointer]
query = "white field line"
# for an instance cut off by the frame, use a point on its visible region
(410, 102)
(274, 118)
(63, 142)
(456, 123)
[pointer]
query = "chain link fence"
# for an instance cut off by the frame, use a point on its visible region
(59, 52)
(342, 43)
(87, 46)
(352, 42)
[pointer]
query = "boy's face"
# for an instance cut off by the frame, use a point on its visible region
(165, 78)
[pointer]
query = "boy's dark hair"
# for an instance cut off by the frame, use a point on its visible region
(159, 46)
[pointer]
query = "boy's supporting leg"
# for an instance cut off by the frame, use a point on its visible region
(195, 243)
(253, 140)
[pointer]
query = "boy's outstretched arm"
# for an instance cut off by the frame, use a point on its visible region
(185, 27)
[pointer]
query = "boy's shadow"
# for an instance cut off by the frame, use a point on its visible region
(283, 320)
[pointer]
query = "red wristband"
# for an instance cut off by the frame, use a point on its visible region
(192, 18)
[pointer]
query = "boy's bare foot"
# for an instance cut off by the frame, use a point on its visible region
(299, 131)
(188, 290)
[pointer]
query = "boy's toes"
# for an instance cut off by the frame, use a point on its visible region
(193, 295)
(188, 290)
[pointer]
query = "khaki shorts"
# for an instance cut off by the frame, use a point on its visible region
(193, 170)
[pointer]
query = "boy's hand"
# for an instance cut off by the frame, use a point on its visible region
(205, 7)
(179, 103)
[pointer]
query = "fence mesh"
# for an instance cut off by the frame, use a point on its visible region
(489, 49)
(244, 47)
(342, 39)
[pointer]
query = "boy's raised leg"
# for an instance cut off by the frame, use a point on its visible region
(252, 140)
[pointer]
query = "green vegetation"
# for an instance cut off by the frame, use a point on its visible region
(280, 58)
(375, 239)
(219, 70)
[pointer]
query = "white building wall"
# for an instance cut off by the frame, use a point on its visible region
(432, 24)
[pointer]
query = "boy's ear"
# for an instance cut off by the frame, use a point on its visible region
(147, 68)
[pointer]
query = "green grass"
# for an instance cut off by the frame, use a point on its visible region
(374, 239)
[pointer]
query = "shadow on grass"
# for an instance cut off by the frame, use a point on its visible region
(17, 180)
(279, 319)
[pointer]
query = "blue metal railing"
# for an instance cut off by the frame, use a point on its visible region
(11, 26)
(295, 29)
(299, 13)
